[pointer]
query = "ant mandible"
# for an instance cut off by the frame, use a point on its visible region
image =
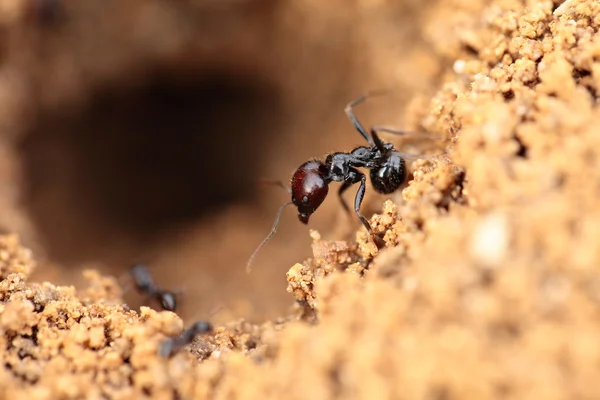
(310, 182)
(145, 284)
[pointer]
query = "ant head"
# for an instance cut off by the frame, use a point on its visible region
(141, 276)
(310, 185)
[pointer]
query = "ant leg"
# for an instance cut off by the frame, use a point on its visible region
(360, 193)
(378, 143)
(343, 188)
(355, 121)
(402, 132)
(350, 113)
(407, 156)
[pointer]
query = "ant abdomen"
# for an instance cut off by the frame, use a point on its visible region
(389, 176)
(309, 188)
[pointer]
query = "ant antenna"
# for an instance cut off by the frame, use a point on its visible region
(216, 310)
(269, 236)
(405, 133)
(270, 182)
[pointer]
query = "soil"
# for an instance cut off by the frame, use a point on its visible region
(487, 287)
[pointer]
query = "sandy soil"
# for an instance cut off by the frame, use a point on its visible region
(488, 286)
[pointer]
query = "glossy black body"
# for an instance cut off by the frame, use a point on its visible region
(145, 284)
(172, 345)
(311, 180)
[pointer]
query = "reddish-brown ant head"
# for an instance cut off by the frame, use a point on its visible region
(309, 188)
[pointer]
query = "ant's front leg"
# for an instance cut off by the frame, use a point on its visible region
(356, 177)
(357, 125)
(343, 188)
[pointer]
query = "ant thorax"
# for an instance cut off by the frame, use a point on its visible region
(364, 153)
(338, 165)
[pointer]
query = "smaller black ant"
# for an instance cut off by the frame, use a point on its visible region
(171, 345)
(145, 284)
(310, 182)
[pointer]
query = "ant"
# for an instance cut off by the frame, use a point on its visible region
(145, 284)
(310, 182)
(171, 345)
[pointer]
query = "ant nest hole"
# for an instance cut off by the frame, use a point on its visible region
(133, 161)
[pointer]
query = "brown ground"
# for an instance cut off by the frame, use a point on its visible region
(488, 286)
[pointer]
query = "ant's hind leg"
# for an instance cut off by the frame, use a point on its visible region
(360, 193)
(408, 157)
(419, 135)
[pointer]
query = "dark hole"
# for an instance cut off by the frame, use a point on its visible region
(522, 150)
(505, 330)
(440, 392)
(470, 50)
(580, 73)
(592, 91)
(487, 278)
(533, 83)
(509, 95)
(140, 159)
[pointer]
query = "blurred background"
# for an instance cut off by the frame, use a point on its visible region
(137, 131)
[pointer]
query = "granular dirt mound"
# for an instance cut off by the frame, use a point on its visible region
(488, 286)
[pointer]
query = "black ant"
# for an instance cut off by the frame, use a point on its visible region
(171, 345)
(310, 182)
(145, 284)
